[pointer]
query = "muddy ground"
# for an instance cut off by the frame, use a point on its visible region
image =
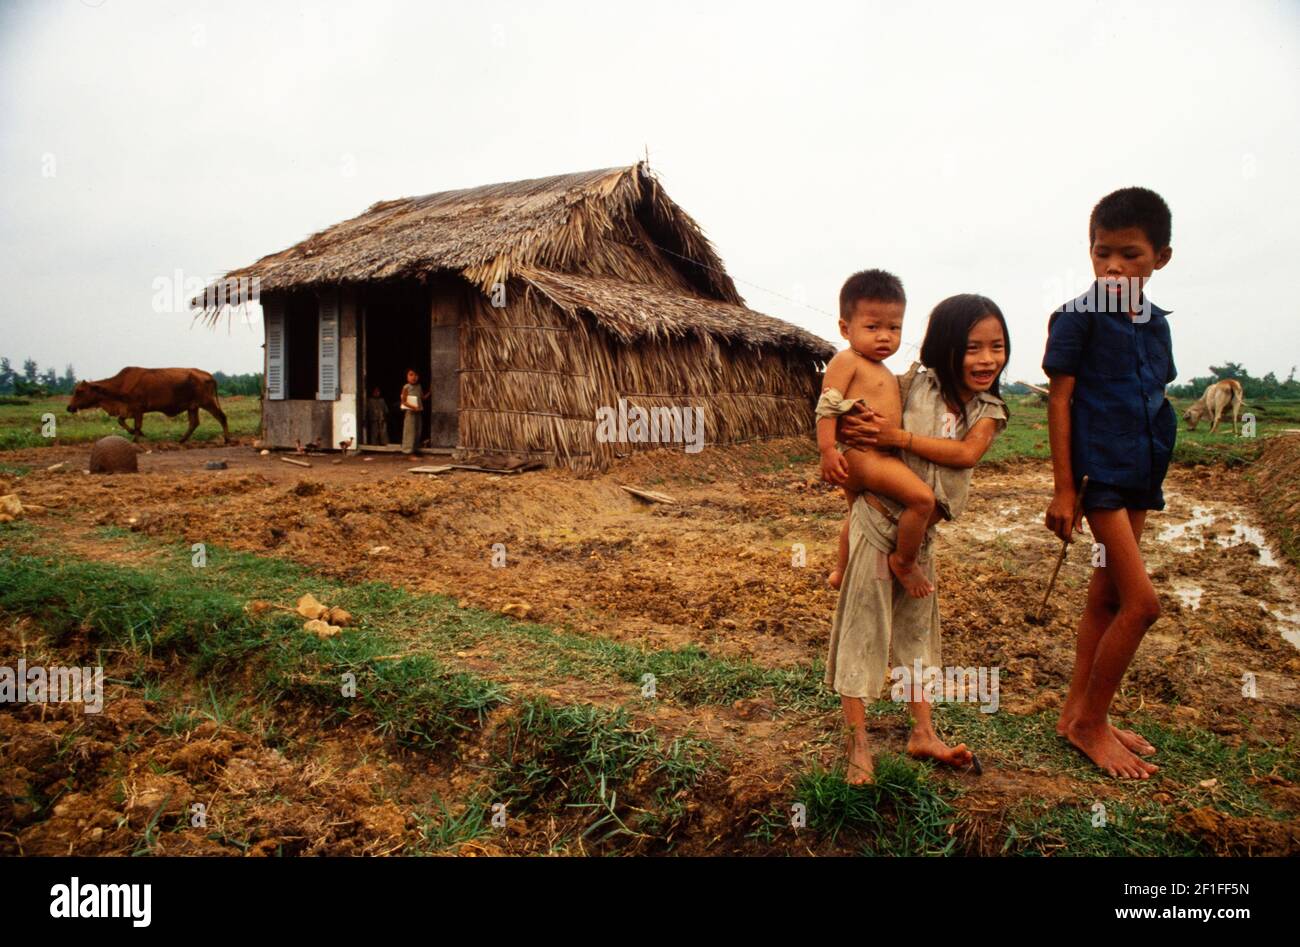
(716, 568)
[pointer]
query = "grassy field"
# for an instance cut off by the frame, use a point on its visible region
(1026, 435)
(21, 424)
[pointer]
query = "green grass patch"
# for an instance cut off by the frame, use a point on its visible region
(185, 612)
(1186, 756)
(1025, 435)
(448, 829)
(23, 530)
(796, 459)
(589, 762)
(901, 813)
(1037, 827)
(1224, 449)
(599, 781)
(23, 425)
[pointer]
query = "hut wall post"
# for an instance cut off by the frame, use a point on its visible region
(345, 417)
(448, 301)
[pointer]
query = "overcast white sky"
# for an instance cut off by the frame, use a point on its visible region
(959, 145)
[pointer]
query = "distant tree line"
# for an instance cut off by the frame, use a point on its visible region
(1251, 387)
(246, 384)
(32, 382)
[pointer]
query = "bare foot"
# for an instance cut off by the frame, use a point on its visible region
(911, 576)
(928, 746)
(862, 768)
(835, 578)
(1101, 746)
(1131, 740)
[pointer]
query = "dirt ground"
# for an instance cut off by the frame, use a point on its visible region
(716, 568)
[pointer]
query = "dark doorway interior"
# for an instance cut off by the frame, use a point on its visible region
(396, 337)
(301, 345)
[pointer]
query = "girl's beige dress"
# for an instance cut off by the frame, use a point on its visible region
(411, 418)
(874, 612)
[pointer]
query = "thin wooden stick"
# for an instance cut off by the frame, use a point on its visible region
(1065, 547)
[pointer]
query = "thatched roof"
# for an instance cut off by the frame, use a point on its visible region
(488, 232)
(634, 312)
(541, 230)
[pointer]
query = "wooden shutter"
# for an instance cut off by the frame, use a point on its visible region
(273, 322)
(328, 384)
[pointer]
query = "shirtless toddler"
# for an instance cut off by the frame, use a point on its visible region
(871, 319)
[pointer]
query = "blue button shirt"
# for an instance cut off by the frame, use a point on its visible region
(1122, 428)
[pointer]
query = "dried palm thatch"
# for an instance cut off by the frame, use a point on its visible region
(490, 232)
(638, 312)
(527, 383)
(532, 380)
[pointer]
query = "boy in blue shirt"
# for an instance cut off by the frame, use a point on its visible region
(1109, 356)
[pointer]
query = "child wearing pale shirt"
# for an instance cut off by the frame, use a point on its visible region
(412, 404)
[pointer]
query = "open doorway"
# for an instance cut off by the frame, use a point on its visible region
(301, 347)
(395, 337)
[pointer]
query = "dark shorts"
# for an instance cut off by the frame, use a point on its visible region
(1105, 496)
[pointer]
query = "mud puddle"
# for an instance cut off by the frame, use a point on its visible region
(1204, 524)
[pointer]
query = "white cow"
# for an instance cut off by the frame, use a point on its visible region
(1213, 402)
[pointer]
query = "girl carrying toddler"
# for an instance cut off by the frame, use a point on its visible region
(951, 412)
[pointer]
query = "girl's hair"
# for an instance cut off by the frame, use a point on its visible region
(944, 348)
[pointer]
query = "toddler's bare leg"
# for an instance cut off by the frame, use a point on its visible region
(888, 476)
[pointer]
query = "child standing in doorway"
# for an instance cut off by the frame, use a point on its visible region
(412, 404)
(377, 418)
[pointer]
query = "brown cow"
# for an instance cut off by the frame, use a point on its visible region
(1213, 401)
(133, 391)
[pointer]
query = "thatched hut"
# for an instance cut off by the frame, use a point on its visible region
(526, 307)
